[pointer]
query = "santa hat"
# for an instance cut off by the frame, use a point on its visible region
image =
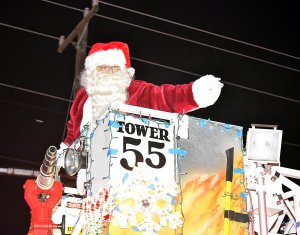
(112, 53)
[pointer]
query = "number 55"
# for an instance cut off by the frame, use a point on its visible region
(139, 157)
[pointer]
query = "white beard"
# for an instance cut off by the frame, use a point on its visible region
(104, 89)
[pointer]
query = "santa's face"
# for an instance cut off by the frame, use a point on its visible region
(105, 85)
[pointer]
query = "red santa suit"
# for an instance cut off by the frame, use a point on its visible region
(167, 97)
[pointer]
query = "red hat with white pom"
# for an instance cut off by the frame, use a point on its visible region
(111, 54)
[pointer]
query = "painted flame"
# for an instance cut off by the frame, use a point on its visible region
(204, 203)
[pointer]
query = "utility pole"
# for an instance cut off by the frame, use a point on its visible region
(81, 31)
(80, 54)
(78, 28)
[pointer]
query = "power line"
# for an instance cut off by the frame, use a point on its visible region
(228, 83)
(291, 144)
(29, 31)
(198, 43)
(163, 66)
(30, 106)
(62, 5)
(34, 92)
(18, 160)
(178, 37)
(197, 29)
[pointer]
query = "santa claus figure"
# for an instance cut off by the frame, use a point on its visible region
(108, 78)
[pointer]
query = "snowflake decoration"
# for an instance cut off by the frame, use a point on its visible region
(141, 194)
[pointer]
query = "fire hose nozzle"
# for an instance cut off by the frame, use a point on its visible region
(45, 179)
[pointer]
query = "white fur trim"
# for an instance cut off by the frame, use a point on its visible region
(195, 89)
(131, 71)
(87, 113)
(61, 154)
(63, 146)
(107, 57)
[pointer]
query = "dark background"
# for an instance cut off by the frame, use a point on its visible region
(261, 86)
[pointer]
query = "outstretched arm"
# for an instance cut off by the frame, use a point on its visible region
(175, 98)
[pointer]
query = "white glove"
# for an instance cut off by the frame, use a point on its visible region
(61, 155)
(81, 179)
(206, 90)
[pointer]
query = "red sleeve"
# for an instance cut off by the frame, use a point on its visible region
(167, 97)
(76, 113)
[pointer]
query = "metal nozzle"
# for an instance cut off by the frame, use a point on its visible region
(45, 179)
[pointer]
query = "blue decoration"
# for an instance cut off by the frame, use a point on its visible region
(119, 115)
(125, 177)
(173, 201)
(227, 126)
(238, 170)
(151, 186)
(202, 123)
(239, 133)
(156, 178)
(243, 195)
(117, 208)
(298, 224)
(180, 152)
(114, 124)
(112, 152)
(92, 135)
(135, 229)
(145, 121)
(167, 124)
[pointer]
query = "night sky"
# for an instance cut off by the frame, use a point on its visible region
(253, 46)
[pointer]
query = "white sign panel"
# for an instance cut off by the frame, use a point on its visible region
(136, 141)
